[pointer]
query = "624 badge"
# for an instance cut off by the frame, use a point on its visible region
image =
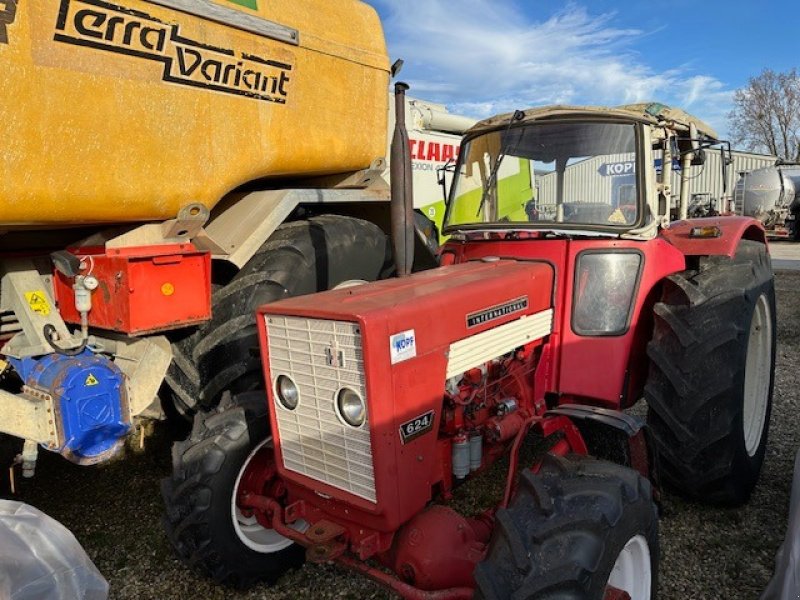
(411, 430)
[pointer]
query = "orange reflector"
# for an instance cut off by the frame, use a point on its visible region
(709, 231)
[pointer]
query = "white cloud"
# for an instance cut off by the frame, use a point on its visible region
(481, 57)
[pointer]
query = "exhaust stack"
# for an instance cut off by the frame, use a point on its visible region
(402, 190)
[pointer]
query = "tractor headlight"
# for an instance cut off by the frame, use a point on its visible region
(351, 407)
(605, 287)
(287, 391)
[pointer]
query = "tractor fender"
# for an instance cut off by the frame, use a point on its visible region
(630, 428)
(627, 424)
(733, 230)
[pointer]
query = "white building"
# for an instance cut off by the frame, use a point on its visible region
(614, 177)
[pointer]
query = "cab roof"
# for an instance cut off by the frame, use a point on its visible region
(653, 113)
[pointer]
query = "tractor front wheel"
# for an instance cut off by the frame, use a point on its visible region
(711, 377)
(580, 528)
(228, 454)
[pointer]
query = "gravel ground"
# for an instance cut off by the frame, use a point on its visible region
(706, 552)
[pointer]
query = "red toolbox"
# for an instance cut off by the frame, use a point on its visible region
(142, 290)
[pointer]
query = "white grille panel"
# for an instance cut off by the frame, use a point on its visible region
(482, 347)
(314, 441)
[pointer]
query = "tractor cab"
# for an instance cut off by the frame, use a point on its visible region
(578, 170)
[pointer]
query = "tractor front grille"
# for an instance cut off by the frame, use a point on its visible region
(321, 357)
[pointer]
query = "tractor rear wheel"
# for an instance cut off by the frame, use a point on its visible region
(229, 452)
(580, 528)
(711, 377)
(301, 257)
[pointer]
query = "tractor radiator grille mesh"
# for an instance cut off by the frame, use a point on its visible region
(321, 357)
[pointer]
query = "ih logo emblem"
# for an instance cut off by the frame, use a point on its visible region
(334, 357)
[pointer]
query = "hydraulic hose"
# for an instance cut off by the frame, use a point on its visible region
(49, 334)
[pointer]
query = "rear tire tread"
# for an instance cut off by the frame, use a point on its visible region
(695, 387)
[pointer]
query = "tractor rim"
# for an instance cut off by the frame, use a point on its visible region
(256, 475)
(757, 376)
(632, 571)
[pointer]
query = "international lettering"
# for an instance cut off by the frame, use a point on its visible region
(497, 312)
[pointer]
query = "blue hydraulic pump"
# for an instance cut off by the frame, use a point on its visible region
(90, 402)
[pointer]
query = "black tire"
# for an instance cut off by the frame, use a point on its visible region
(564, 530)
(198, 496)
(301, 257)
(696, 385)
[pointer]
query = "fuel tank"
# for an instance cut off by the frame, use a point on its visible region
(129, 110)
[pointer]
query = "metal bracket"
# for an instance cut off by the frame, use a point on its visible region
(325, 543)
(180, 230)
(188, 224)
(26, 291)
(145, 362)
(29, 416)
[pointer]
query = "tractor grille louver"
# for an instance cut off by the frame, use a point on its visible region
(314, 441)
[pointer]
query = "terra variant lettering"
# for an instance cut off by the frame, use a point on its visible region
(104, 26)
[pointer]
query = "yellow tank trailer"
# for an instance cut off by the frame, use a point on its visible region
(159, 150)
(130, 110)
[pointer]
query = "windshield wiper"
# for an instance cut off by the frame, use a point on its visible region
(517, 116)
(490, 181)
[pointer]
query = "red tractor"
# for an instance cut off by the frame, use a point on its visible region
(564, 296)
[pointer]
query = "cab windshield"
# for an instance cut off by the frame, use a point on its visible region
(562, 175)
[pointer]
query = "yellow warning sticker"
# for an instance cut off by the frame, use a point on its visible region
(91, 380)
(37, 300)
(617, 217)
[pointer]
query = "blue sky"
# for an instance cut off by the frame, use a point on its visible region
(481, 57)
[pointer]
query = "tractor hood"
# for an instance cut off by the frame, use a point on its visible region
(452, 302)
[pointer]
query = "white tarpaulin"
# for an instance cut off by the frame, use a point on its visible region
(41, 560)
(785, 584)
